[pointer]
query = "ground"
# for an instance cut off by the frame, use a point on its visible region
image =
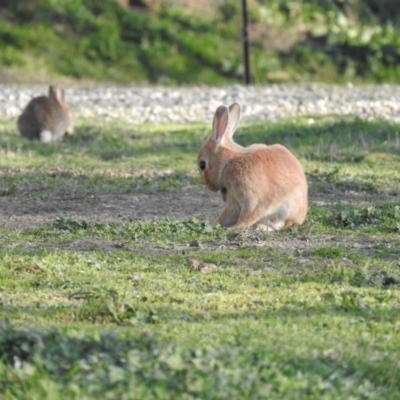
(27, 211)
(30, 211)
(116, 280)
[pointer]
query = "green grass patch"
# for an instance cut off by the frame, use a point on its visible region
(109, 307)
(178, 41)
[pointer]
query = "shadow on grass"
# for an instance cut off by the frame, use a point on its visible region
(70, 185)
(231, 370)
(333, 183)
(335, 145)
(344, 141)
(140, 146)
(105, 308)
(347, 140)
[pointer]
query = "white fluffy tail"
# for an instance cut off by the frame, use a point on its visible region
(46, 137)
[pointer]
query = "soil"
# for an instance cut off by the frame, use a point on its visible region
(25, 212)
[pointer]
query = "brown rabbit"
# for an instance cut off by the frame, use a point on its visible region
(46, 118)
(262, 185)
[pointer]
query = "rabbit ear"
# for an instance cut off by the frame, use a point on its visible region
(220, 122)
(57, 94)
(234, 118)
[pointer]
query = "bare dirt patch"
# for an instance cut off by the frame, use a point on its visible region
(25, 211)
(28, 211)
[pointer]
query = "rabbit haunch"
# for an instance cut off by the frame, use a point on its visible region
(46, 118)
(261, 185)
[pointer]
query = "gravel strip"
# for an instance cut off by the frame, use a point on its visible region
(198, 103)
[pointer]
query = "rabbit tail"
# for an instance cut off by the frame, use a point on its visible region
(46, 137)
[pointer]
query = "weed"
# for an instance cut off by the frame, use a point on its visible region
(386, 218)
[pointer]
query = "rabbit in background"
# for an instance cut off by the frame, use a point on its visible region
(261, 185)
(46, 118)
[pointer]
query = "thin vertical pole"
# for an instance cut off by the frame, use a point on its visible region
(245, 38)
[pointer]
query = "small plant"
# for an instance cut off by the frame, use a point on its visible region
(388, 218)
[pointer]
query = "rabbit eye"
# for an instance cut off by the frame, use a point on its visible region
(202, 165)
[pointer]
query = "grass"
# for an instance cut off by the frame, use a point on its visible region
(98, 308)
(174, 42)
